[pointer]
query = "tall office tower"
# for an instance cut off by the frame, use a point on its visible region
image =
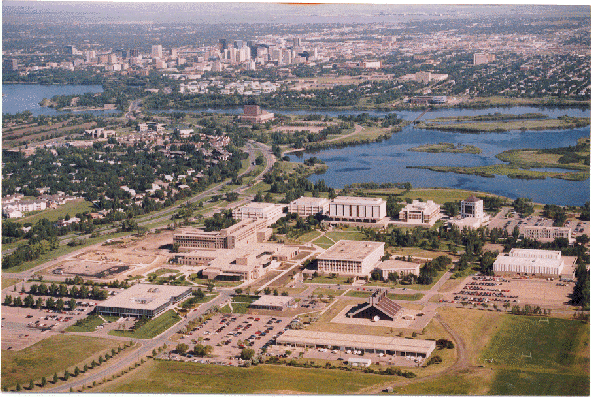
(134, 52)
(112, 58)
(174, 53)
(89, 55)
(223, 45)
(297, 41)
(156, 51)
(238, 44)
(243, 54)
(286, 56)
(70, 50)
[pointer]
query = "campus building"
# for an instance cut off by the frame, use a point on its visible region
(472, 214)
(242, 233)
(547, 233)
(143, 300)
(357, 258)
(420, 213)
(378, 307)
(366, 343)
(267, 211)
(306, 206)
(357, 209)
(270, 302)
(254, 114)
(530, 262)
(402, 268)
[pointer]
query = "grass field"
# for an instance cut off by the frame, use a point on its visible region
(446, 147)
(367, 294)
(329, 280)
(54, 354)
(509, 125)
(323, 242)
(176, 377)
(306, 238)
(152, 328)
(512, 171)
(71, 207)
(9, 282)
(88, 324)
(346, 235)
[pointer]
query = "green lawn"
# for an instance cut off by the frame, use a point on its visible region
(306, 238)
(71, 207)
(367, 294)
(87, 324)
(348, 235)
(9, 282)
(323, 242)
(152, 328)
(176, 377)
(328, 280)
(54, 354)
(518, 382)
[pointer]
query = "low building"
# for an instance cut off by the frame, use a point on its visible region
(286, 252)
(356, 258)
(359, 362)
(271, 302)
(143, 300)
(240, 234)
(547, 233)
(378, 307)
(267, 211)
(420, 213)
(254, 114)
(393, 346)
(357, 209)
(402, 268)
(100, 133)
(529, 262)
(306, 206)
(483, 58)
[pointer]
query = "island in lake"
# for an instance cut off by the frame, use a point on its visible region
(446, 147)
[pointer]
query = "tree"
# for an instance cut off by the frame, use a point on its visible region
(202, 350)
(18, 387)
(72, 304)
(43, 381)
(29, 301)
(247, 353)
(55, 377)
(8, 300)
(181, 348)
(76, 371)
(60, 304)
(31, 385)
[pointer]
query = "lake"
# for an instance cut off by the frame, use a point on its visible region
(20, 97)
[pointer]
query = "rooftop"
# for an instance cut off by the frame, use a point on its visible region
(350, 250)
(310, 200)
(472, 199)
(272, 300)
(144, 296)
(359, 341)
(398, 264)
(357, 200)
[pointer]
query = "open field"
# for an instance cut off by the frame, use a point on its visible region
(71, 207)
(445, 147)
(54, 354)
(323, 242)
(87, 324)
(152, 328)
(510, 125)
(8, 282)
(345, 235)
(176, 377)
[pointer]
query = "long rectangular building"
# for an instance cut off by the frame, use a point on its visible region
(367, 343)
(346, 257)
(143, 300)
(526, 262)
(267, 211)
(357, 209)
(306, 206)
(242, 233)
(547, 233)
(419, 212)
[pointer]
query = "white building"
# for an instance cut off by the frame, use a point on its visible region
(530, 262)
(402, 268)
(357, 209)
(547, 233)
(472, 214)
(306, 206)
(357, 258)
(268, 211)
(420, 213)
(156, 51)
(482, 58)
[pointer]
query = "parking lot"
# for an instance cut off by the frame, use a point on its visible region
(228, 334)
(507, 219)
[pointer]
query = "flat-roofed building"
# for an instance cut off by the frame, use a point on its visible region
(306, 206)
(530, 262)
(367, 343)
(254, 114)
(267, 211)
(547, 233)
(242, 233)
(270, 302)
(402, 268)
(351, 257)
(143, 300)
(420, 212)
(357, 209)
(472, 214)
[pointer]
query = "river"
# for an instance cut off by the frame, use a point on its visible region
(387, 161)
(20, 97)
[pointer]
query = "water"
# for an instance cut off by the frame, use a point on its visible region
(20, 97)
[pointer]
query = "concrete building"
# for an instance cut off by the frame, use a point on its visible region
(357, 258)
(270, 302)
(420, 213)
(547, 233)
(366, 343)
(472, 214)
(357, 209)
(267, 211)
(143, 300)
(482, 58)
(240, 234)
(530, 262)
(156, 51)
(254, 114)
(378, 307)
(402, 268)
(100, 133)
(306, 206)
